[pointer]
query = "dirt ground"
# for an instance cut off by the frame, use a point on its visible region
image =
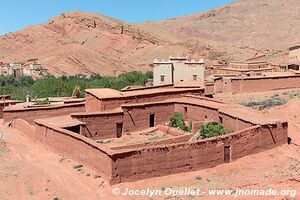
(29, 171)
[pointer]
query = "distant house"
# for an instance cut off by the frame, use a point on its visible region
(34, 69)
(176, 70)
(17, 69)
(294, 57)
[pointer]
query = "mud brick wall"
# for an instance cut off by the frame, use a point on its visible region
(137, 118)
(100, 126)
(25, 127)
(77, 147)
(232, 123)
(269, 83)
(196, 112)
(95, 105)
(92, 104)
(177, 158)
(30, 114)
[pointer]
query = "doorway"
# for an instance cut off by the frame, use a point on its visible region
(227, 154)
(119, 129)
(75, 129)
(152, 120)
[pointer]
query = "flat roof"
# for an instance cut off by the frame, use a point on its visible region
(107, 93)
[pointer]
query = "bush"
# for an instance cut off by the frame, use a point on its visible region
(43, 102)
(210, 129)
(263, 104)
(51, 86)
(177, 121)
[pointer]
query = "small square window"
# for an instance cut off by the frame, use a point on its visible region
(195, 77)
(162, 78)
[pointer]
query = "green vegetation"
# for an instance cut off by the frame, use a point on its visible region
(103, 141)
(42, 102)
(51, 86)
(210, 129)
(263, 104)
(77, 166)
(30, 191)
(177, 121)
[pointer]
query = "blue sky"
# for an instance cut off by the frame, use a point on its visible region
(17, 14)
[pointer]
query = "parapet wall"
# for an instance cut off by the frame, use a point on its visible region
(30, 114)
(254, 84)
(177, 158)
(76, 147)
(25, 127)
(95, 105)
(101, 125)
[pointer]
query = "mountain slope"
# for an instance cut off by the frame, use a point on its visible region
(89, 43)
(254, 24)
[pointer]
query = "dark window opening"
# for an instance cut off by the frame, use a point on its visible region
(152, 120)
(162, 78)
(119, 129)
(289, 140)
(195, 77)
(227, 154)
(75, 129)
(221, 120)
(185, 111)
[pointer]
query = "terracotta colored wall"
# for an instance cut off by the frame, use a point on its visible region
(177, 158)
(77, 147)
(100, 126)
(30, 114)
(233, 124)
(93, 105)
(137, 119)
(269, 83)
(197, 113)
(6, 104)
(161, 158)
(25, 127)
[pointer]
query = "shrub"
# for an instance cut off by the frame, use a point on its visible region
(51, 86)
(43, 102)
(210, 129)
(263, 104)
(177, 121)
(77, 166)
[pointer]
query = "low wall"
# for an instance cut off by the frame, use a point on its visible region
(25, 127)
(269, 83)
(159, 158)
(30, 114)
(100, 126)
(137, 116)
(95, 105)
(177, 158)
(77, 147)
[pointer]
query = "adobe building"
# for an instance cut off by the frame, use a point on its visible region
(123, 133)
(178, 69)
(294, 57)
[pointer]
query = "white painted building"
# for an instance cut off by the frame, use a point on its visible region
(176, 70)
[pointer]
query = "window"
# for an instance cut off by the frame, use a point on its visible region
(119, 129)
(195, 77)
(152, 120)
(227, 154)
(162, 78)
